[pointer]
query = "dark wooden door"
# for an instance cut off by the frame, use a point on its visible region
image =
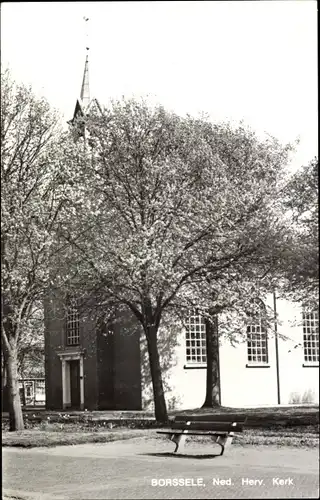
(75, 383)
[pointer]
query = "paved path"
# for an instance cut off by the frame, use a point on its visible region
(139, 469)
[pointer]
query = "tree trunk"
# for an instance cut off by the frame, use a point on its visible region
(160, 407)
(4, 391)
(213, 368)
(14, 403)
(4, 388)
(3, 370)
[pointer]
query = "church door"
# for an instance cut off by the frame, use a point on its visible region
(75, 384)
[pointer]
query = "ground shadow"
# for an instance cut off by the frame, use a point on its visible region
(179, 455)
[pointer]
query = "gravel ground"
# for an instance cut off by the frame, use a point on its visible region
(129, 469)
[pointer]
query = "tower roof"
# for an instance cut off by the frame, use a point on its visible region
(85, 90)
(84, 104)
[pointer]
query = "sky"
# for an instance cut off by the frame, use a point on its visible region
(254, 61)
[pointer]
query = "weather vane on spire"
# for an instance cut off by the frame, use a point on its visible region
(86, 19)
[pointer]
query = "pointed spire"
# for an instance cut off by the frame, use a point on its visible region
(85, 91)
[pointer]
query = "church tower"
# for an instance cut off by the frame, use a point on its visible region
(84, 104)
(88, 365)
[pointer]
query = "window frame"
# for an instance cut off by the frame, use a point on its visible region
(195, 341)
(72, 322)
(257, 338)
(310, 320)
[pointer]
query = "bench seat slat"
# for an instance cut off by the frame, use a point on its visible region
(209, 426)
(195, 433)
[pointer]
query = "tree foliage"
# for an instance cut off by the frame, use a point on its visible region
(300, 266)
(179, 212)
(34, 160)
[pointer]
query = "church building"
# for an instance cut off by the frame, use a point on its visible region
(100, 368)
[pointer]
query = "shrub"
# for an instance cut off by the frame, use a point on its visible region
(307, 397)
(294, 398)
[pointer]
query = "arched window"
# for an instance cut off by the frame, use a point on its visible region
(257, 340)
(196, 339)
(310, 322)
(72, 323)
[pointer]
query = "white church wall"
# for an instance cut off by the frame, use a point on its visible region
(242, 383)
(299, 380)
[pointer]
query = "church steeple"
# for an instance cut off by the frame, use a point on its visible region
(83, 101)
(85, 104)
(85, 90)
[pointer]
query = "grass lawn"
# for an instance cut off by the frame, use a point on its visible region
(282, 426)
(283, 409)
(306, 436)
(51, 436)
(285, 416)
(261, 411)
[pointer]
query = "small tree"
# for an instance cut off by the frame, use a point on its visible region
(34, 160)
(175, 208)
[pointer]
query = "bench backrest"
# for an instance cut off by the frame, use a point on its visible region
(203, 423)
(211, 418)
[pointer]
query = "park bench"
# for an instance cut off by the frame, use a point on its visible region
(220, 429)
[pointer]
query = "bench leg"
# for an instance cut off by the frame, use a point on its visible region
(179, 440)
(225, 442)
